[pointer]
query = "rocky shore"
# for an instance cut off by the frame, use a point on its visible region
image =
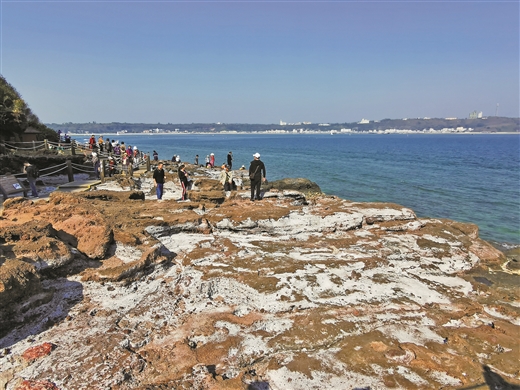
(113, 289)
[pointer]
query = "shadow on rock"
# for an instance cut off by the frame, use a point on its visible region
(493, 380)
(260, 385)
(41, 311)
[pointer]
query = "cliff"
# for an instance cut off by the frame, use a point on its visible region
(298, 291)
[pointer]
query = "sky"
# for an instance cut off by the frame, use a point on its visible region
(261, 61)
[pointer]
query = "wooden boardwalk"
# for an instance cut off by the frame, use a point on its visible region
(78, 185)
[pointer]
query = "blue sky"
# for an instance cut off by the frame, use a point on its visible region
(261, 61)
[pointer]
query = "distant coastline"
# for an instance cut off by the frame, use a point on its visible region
(488, 125)
(302, 133)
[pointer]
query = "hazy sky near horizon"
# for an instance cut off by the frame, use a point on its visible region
(261, 61)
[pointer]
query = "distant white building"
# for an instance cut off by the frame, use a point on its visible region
(282, 123)
(363, 121)
(475, 115)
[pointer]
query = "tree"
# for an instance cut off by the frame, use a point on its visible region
(16, 116)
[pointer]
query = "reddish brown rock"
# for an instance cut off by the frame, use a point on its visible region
(117, 270)
(37, 385)
(322, 293)
(18, 280)
(35, 242)
(38, 351)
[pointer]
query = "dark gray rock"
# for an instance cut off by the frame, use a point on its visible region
(297, 184)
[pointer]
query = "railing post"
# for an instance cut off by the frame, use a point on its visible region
(102, 173)
(69, 171)
(46, 144)
(34, 145)
(147, 162)
(73, 147)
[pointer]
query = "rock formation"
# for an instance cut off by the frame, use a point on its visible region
(299, 291)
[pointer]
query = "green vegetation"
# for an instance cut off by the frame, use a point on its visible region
(16, 116)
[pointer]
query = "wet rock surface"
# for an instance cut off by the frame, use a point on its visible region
(293, 292)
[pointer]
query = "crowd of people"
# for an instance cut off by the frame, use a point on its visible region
(257, 175)
(129, 156)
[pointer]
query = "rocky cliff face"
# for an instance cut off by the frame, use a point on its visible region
(98, 290)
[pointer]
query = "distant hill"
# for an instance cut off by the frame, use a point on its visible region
(488, 125)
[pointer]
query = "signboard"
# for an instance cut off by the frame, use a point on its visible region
(10, 185)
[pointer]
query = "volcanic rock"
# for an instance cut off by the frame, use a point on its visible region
(292, 292)
(18, 280)
(35, 242)
(304, 186)
(38, 351)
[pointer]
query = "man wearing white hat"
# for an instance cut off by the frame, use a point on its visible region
(257, 176)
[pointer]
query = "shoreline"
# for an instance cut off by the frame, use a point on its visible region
(276, 132)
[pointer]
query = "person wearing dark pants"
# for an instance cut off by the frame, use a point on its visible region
(183, 177)
(230, 160)
(158, 178)
(32, 175)
(257, 175)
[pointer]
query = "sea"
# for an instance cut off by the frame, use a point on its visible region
(464, 177)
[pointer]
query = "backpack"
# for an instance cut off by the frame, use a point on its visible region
(33, 172)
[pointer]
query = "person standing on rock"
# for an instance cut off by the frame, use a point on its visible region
(96, 163)
(257, 175)
(183, 177)
(124, 163)
(92, 142)
(212, 160)
(230, 160)
(101, 143)
(108, 147)
(111, 166)
(158, 179)
(226, 179)
(32, 175)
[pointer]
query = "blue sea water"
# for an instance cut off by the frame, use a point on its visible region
(468, 178)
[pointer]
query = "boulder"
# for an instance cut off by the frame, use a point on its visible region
(296, 184)
(18, 281)
(36, 242)
(117, 270)
(81, 226)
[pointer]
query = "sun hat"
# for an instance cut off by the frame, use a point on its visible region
(257, 155)
(211, 154)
